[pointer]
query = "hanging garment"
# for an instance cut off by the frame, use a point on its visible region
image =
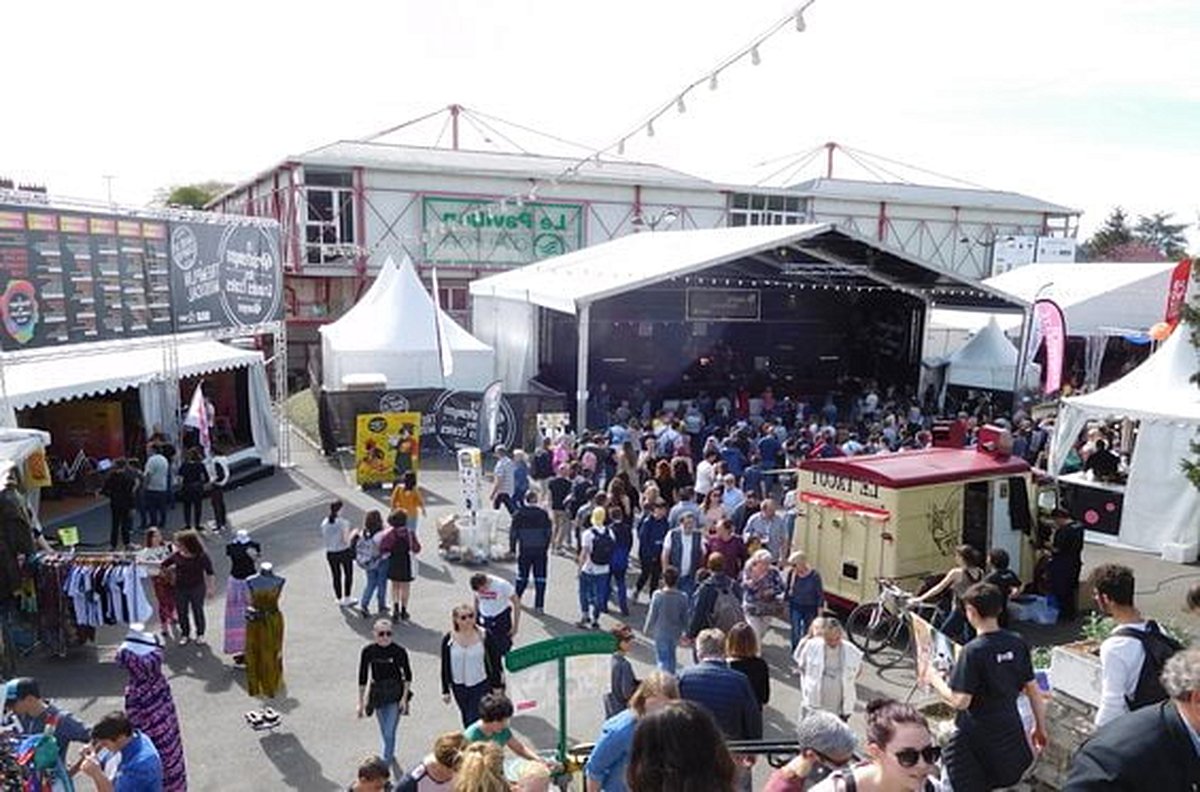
(151, 708)
(237, 597)
(264, 643)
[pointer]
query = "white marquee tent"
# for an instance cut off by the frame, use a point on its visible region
(988, 361)
(1161, 506)
(391, 334)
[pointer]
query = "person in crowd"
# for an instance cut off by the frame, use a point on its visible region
(597, 546)
(541, 469)
(1154, 748)
(665, 480)
(741, 514)
(583, 517)
(678, 748)
(769, 528)
(481, 769)
(151, 557)
(503, 478)
(685, 505)
(753, 479)
(729, 545)
(762, 591)
(684, 549)
(399, 544)
(714, 509)
(620, 496)
(559, 488)
(374, 775)
(622, 681)
(1066, 563)
(667, 620)
(1131, 651)
(651, 533)
(727, 694)
(742, 654)
(336, 533)
(438, 769)
(520, 477)
(34, 715)
(532, 531)
(369, 556)
(829, 667)
(901, 749)
(1103, 463)
(408, 499)
(498, 608)
(384, 681)
(1003, 578)
(805, 595)
(990, 748)
(193, 478)
(825, 744)
(706, 474)
(119, 487)
(471, 663)
(731, 494)
(495, 712)
(194, 582)
(608, 761)
(140, 768)
(156, 480)
(718, 600)
(621, 525)
(966, 573)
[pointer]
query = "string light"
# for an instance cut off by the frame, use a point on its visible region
(800, 26)
(680, 106)
(755, 58)
(621, 147)
(650, 128)
(712, 82)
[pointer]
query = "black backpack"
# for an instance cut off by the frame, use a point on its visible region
(542, 467)
(602, 547)
(1158, 648)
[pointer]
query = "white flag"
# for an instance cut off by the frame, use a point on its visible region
(197, 417)
(444, 352)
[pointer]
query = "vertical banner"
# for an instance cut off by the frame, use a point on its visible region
(1051, 328)
(470, 474)
(489, 415)
(386, 446)
(445, 353)
(198, 418)
(1177, 292)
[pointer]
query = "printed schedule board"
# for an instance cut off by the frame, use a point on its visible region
(70, 277)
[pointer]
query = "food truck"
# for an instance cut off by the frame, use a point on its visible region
(901, 516)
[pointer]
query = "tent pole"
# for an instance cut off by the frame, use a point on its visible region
(1026, 328)
(581, 368)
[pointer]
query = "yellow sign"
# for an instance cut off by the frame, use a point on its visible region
(68, 535)
(386, 446)
(37, 471)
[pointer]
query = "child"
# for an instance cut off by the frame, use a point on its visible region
(667, 619)
(152, 556)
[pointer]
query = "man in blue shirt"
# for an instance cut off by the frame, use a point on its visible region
(140, 769)
(23, 697)
(605, 769)
(723, 691)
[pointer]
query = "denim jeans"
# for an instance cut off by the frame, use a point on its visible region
(620, 588)
(157, 502)
(664, 655)
(388, 716)
(467, 699)
(377, 583)
(535, 562)
(687, 584)
(593, 595)
(800, 618)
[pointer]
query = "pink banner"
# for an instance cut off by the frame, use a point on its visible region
(1048, 318)
(1178, 291)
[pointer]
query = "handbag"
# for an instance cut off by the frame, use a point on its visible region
(384, 691)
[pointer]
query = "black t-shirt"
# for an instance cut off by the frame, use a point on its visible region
(560, 488)
(383, 662)
(1004, 579)
(993, 668)
(241, 561)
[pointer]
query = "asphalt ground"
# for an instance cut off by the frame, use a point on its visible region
(320, 741)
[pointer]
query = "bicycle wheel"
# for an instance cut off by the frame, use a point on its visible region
(869, 627)
(897, 647)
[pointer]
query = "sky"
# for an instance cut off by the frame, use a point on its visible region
(1085, 103)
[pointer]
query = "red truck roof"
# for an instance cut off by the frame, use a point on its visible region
(919, 468)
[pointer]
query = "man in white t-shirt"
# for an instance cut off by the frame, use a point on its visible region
(595, 555)
(706, 474)
(499, 608)
(1121, 656)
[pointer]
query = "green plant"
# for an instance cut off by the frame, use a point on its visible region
(1097, 627)
(1041, 657)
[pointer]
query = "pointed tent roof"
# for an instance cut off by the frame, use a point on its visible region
(988, 360)
(1160, 388)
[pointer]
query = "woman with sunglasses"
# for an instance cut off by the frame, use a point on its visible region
(471, 663)
(901, 750)
(384, 664)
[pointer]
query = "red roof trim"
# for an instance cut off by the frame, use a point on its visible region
(854, 508)
(919, 468)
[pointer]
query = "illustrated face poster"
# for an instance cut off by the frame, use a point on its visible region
(387, 445)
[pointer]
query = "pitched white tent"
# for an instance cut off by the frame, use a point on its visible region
(391, 334)
(1161, 506)
(988, 360)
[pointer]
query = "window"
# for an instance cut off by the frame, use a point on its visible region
(455, 300)
(329, 223)
(765, 210)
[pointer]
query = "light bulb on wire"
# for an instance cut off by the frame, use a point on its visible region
(800, 26)
(621, 147)
(712, 82)
(755, 58)
(650, 128)
(680, 106)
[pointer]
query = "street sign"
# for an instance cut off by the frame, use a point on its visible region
(563, 646)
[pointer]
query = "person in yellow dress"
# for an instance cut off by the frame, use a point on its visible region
(407, 498)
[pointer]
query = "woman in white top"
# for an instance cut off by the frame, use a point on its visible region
(151, 557)
(470, 663)
(829, 666)
(335, 531)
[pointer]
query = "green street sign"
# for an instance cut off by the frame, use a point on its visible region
(563, 646)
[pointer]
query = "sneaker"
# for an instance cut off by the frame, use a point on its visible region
(595, 624)
(539, 610)
(583, 623)
(199, 640)
(184, 641)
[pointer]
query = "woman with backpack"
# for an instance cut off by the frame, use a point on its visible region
(718, 601)
(373, 562)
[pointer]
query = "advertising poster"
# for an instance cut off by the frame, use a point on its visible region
(386, 445)
(934, 648)
(466, 231)
(552, 426)
(470, 476)
(225, 275)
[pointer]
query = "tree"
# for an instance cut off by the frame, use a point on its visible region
(1164, 236)
(1114, 233)
(192, 196)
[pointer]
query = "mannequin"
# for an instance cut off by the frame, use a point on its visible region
(149, 703)
(264, 633)
(242, 552)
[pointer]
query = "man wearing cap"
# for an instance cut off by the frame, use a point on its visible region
(23, 698)
(826, 744)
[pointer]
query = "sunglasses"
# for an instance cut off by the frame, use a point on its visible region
(907, 757)
(383, 634)
(465, 616)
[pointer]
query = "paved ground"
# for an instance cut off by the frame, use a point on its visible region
(320, 740)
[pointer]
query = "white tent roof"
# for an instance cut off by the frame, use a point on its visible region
(78, 370)
(568, 282)
(391, 331)
(17, 444)
(1097, 298)
(989, 360)
(1160, 388)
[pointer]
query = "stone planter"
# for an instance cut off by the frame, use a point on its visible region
(1075, 670)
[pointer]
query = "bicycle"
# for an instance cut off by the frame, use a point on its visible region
(881, 628)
